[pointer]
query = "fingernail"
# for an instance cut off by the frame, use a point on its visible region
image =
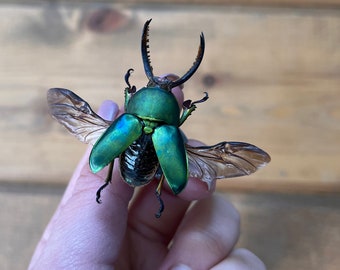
(108, 110)
(181, 267)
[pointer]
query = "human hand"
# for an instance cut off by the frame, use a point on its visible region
(123, 233)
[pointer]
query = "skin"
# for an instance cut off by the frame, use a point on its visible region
(122, 232)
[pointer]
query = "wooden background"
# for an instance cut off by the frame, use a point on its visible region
(272, 72)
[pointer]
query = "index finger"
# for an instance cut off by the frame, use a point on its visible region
(145, 204)
(81, 230)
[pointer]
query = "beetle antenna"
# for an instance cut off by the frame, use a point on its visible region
(146, 53)
(194, 67)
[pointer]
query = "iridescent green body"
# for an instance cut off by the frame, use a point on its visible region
(149, 130)
(155, 111)
(122, 132)
(172, 156)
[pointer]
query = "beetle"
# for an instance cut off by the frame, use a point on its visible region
(147, 139)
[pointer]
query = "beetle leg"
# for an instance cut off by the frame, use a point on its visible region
(158, 195)
(107, 181)
(190, 106)
(186, 112)
(129, 90)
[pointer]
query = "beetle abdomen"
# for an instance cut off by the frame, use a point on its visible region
(139, 162)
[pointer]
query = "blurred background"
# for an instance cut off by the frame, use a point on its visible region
(272, 70)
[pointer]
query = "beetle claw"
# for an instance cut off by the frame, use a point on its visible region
(201, 100)
(161, 205)
(158, 193)
(98, 194)
(189, 103)
(107, 181)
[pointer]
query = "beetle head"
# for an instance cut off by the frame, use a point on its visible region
(165, 82)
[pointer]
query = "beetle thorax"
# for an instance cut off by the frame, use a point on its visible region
(155, 106)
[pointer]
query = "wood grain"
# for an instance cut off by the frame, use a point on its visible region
(291, 3)
(272, 76)
(276, 3)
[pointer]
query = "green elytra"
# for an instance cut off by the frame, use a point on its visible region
(151, 110)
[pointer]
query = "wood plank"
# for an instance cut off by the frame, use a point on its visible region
(272, 77)
(280, 3)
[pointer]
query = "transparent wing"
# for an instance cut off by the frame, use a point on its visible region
(225, 160)
(76, 115)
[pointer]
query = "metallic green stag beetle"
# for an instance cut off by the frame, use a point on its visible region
(147, 138)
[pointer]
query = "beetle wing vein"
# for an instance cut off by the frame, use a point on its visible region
(225, 160)
(76, 115)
